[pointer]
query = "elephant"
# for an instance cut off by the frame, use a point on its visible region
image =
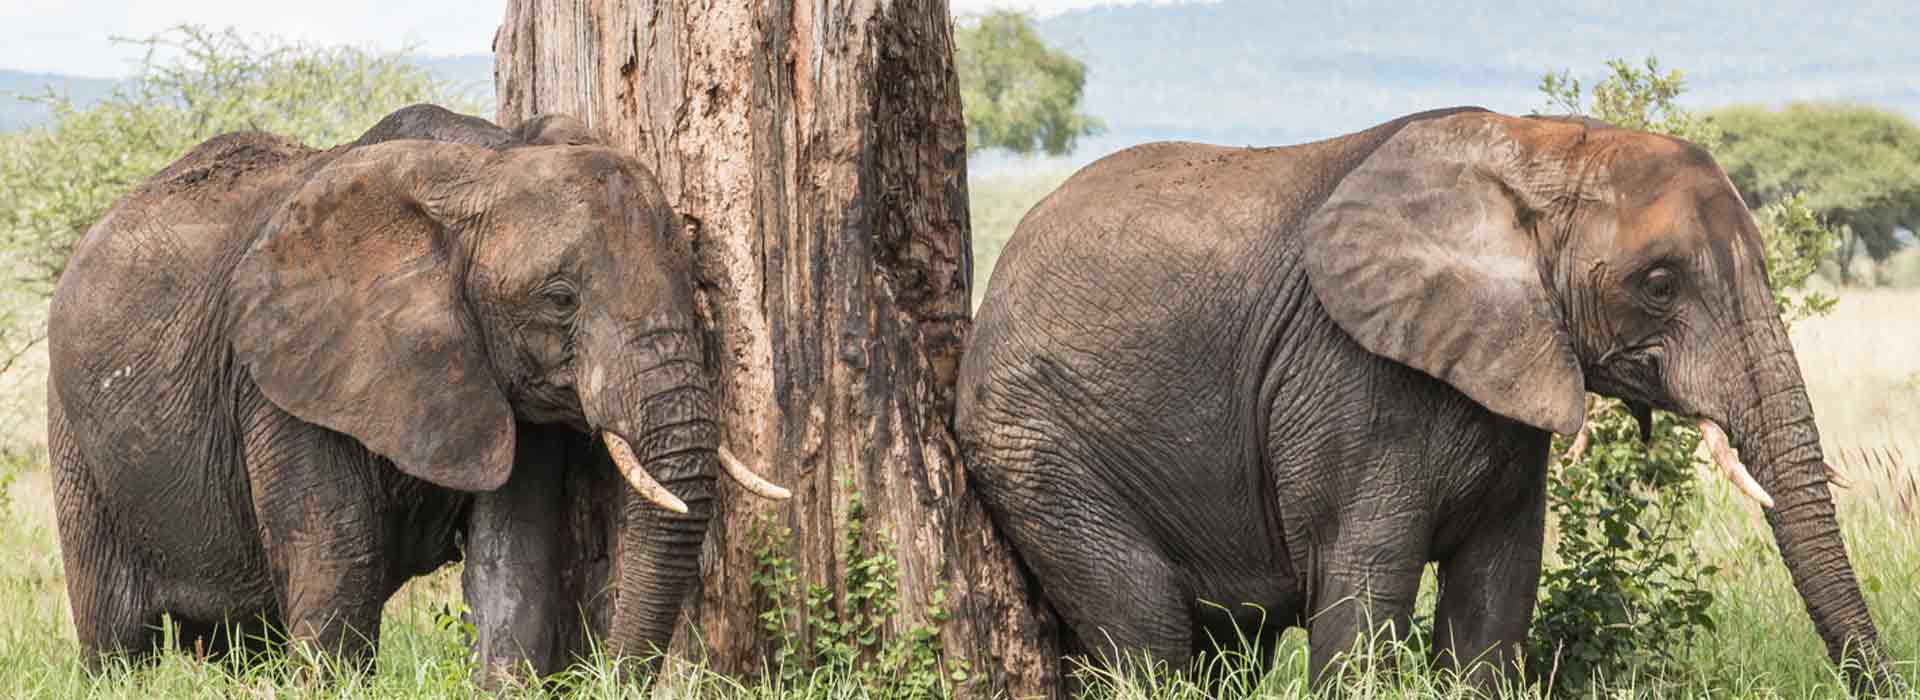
(1207, 382)
(284, 381)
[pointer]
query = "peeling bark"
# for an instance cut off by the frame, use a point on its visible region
(817, 154)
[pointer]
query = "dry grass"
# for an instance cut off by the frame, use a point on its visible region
(1862, 367)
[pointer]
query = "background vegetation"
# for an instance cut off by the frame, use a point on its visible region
(1664, 582)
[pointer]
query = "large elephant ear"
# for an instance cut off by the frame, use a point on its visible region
(348, 313)
(1426, 253)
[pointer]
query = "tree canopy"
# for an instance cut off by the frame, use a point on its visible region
(1017, 93)
(1857, 168)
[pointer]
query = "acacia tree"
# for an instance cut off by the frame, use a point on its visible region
(1020, 95)
(1857, 168)
(817, 155)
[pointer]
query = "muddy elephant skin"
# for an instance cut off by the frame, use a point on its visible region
(284, 381)
(1291, 377)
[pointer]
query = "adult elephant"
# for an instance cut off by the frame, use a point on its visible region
(280, 375)
(1290, 377)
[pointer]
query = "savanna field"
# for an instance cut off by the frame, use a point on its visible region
(1861, 366)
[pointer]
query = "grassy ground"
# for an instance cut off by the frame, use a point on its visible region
(1863, 370)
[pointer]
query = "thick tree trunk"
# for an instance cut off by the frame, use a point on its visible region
(817, 153)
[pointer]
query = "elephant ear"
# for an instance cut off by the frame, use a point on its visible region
(1426, 253)
(348, 313)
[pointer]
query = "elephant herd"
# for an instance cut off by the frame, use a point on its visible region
(1202, 380)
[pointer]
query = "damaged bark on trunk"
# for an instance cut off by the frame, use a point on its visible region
(817, 154)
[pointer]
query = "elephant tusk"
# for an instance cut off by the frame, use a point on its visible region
(637, 475)
(749, 480)
(1729, 463)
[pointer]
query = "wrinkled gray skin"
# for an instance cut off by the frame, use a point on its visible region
(279, 376)
(1290, 377)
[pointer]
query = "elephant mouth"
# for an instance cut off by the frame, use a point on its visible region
(643, 482)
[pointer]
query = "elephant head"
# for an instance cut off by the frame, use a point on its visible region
(1525, 261)
(433, 300)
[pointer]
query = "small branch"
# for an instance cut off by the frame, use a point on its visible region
(14, 355)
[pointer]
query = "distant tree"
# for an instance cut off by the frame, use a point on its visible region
(1017, 93)
(1857, 167)
(57, 179)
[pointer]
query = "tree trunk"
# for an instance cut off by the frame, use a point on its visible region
(817, 154)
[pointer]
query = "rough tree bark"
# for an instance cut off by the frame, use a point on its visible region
(817, 153)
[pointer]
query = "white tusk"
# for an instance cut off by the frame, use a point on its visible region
(1833, 477)
(1730, 465)
(749, 480)
(637, 475)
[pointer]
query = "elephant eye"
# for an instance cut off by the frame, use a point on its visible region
(561, 297)
(1660, 286)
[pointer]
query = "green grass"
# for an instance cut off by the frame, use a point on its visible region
(1764, 646)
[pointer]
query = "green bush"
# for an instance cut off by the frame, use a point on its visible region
(814, 634)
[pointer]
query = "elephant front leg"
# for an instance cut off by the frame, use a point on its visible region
(319, 505)
(1487, 590)
(516, 550)
(1362, 595)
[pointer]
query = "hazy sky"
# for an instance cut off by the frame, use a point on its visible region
(68, 36)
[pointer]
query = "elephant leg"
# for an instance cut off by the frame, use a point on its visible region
(1362, 588)
(516, 550)
(114, 609)
(1124, 605)
(1487, 588)
(318, 501)
(1107, 581)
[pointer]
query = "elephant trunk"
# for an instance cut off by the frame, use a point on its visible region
(1774, 430)
(659, 410)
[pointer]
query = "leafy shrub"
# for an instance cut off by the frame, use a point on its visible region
(1627, 594)
(849, 640)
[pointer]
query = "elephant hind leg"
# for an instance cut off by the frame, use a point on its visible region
(115, 611)
(1107, 581)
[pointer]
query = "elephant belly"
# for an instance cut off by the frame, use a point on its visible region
(173, 487)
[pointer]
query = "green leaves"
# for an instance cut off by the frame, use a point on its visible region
(1625, 595)
(1856, 167)
(846, 636)
(1017, 93)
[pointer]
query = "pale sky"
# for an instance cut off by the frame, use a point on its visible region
(69, 36)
